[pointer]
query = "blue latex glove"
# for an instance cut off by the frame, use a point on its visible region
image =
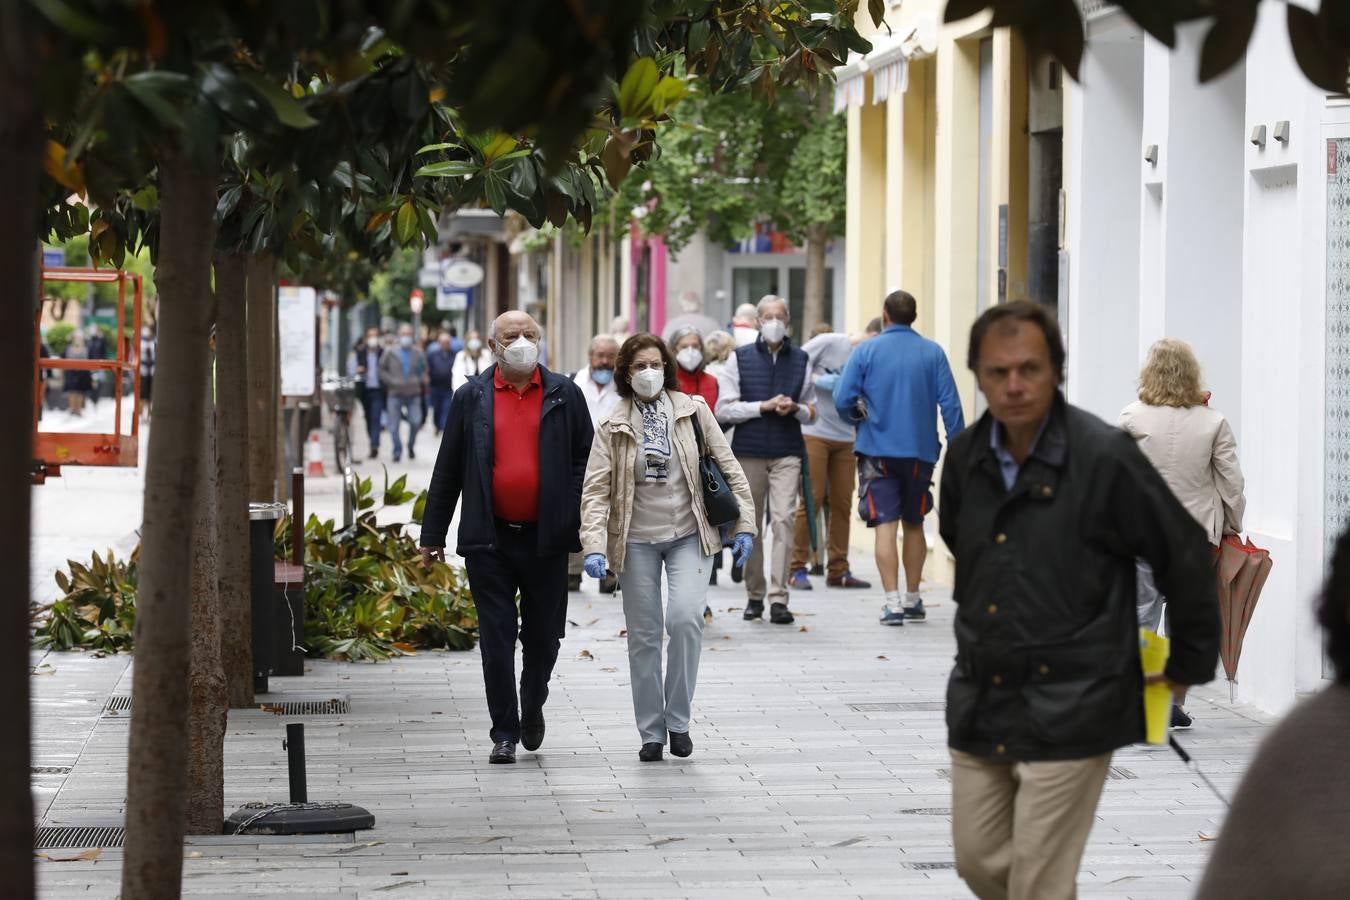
(595, 565)
(741, 547)
(826, 381)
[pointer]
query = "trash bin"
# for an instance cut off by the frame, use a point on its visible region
(262, 524)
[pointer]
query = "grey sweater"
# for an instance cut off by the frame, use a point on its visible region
(1285, 835)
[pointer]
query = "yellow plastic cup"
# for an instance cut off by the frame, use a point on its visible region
(1153, 649)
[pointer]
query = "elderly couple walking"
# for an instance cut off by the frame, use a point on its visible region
(534, 483)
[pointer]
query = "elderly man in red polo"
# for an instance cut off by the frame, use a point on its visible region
(513, 457)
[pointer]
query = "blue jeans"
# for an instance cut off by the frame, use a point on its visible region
(440, 405)
(372, 404)
(662, 705)
(398, 408)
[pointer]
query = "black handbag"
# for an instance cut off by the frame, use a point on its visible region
(719, 503)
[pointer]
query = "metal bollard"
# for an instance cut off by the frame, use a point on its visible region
(294, 745)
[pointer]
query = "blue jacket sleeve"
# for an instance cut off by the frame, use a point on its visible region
(849, 386)
(949, 400)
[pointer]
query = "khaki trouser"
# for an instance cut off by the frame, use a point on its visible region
(1020, 827)
(774, 485)
(833, 466)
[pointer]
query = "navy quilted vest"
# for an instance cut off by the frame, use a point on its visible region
(762, 377)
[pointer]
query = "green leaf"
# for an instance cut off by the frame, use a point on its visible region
(957, 10)
(494, 192)
(455, 168)
(287, 109)
(75, 22)
(877, 10)
(1318, 56)
(1226, 43)
(430, 148)
(159, 92)
(636, 88)
(229, 200)
(405, 222)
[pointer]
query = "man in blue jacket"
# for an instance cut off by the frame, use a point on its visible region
(514, 452)
(893, 387)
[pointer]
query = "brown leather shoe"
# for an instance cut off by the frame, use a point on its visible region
(847, 581)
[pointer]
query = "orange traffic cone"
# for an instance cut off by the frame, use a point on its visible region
(314, 457)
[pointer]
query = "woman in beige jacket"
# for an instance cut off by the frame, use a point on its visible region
(642, 509)
(1193, 448)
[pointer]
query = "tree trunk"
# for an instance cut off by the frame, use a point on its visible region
(262, 379)
(20, 151)
(813, 305)
(208, 708)
(157, 779)
(232, 485)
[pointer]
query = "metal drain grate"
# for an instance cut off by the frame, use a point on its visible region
(923, 866)
(66, 837)
(914, 706)
(1116, 773)
(49, 770)
(928, 811)
(326, 706)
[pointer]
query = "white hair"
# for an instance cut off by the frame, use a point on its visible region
(603, 339)
(771, 298)
(746, 313)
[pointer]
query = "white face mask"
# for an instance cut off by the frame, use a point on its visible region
(373, 343)
(474, 345)
(648, 383)
(690, 357)
(521, 356)
(773, 330)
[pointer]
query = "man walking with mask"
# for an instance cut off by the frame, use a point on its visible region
(1046, 509)
(513, 458)
(596, 381)
(765, 392)
(403, 373)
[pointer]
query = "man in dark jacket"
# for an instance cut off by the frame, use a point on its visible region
(513, 457)
(1045, 508)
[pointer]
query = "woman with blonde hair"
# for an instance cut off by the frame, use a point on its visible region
(1193, 448)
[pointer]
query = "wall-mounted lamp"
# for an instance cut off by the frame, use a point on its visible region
(1282, 131)
(1151, 154)
(1259, 136)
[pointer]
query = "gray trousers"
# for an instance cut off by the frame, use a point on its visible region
(775, 485)
(1148, 599)
(664, 705)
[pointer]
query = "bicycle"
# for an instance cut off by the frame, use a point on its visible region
(339, 394)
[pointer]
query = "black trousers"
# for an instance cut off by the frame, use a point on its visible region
(494, 577)
(372, 403)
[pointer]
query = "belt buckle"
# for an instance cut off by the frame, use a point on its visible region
(515, 525)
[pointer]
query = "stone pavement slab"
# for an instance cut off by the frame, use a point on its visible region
(820, 770)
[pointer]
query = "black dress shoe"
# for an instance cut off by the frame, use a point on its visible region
(753, 610)
(532, 730)
(680, 744)
(817, 569)
(650, 752)
(503, 753)
(609, 584)
(779, 614)
(412, 454)
(737, 573)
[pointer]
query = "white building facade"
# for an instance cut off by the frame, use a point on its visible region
(1220, 214)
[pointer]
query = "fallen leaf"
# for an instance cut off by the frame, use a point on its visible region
(437, 712)
(733, 609)
(404, 647)
(803, 628)
(1205, 837)
(591, 622)
(85, 856)
(274, 708)
(397, 873)
(195, 854)
(355, 847)
(585, 654)
(623, 632)
(598, 809)
(883, 657)
(608, 669)
(573, 624)
(726, 637)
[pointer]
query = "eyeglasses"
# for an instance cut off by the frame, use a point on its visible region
(640, 367)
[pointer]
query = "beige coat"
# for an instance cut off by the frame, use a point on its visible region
(1194, 450)
(607, 494)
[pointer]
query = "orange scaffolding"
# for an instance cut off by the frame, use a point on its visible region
(54, 449)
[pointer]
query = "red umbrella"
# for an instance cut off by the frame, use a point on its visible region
(1241, 571)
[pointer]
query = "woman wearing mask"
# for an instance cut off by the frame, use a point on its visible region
(686, 344)
(641, 510)
(1193, 448)
(473, 360)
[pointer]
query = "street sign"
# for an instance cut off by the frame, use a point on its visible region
(429, 276)
(53, 256)
(298, 324)
(450, 299)
(461, 273)
(415, 300)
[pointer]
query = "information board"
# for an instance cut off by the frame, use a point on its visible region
(297, 331)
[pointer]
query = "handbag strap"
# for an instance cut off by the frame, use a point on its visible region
(698, 436)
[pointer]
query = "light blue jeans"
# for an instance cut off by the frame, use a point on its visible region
(398, 409)
(658, 705)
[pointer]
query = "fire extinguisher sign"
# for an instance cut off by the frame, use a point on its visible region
(1331, 159)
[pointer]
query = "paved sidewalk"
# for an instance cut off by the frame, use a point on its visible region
(820, 767)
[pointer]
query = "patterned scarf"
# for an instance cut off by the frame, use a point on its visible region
(656, 450)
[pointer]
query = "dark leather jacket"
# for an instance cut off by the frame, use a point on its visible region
(1047, 663)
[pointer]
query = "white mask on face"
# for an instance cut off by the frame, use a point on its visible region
(474, 345)
(773, 330)
(521, 356)
(690, 358)
(648, 383)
